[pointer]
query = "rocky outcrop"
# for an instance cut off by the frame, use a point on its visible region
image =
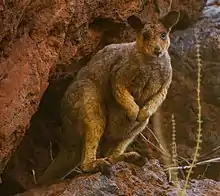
(43, 40)
(182, 96)
(39, 37)
(125, 179)
(31, 35)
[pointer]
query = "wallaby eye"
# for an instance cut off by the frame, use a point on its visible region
(163, 35)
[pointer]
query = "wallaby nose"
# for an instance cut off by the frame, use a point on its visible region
(157, 50)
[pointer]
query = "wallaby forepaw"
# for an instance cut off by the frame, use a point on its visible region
(143, 115)
(99, 165)
(133, 114)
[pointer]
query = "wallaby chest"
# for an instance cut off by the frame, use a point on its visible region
(150, 79)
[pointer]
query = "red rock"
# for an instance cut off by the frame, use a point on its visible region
(37, 36)
(125, 180)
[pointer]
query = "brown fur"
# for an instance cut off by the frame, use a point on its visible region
(112, 99)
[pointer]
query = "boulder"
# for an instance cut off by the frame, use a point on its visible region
(181, 100)
(182, 96)
(40, 40)
(125, 179)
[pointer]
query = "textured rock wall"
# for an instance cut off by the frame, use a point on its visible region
(182, 96)
(39, 39)
(31, 36)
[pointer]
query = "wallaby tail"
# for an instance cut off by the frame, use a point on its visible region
(61, 166)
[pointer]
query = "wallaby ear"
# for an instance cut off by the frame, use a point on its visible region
(135, 23)
(170, 19)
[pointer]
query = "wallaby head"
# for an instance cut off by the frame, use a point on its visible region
(153, 38)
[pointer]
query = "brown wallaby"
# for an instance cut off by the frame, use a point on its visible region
(112, 98)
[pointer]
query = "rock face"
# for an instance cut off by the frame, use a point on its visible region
(36, 37)
(29, 48)
(182, 97)
(127, 180)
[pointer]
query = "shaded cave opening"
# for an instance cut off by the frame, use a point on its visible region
(40, 143)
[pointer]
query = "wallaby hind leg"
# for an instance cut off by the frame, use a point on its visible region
(93, 133)
(118, 153)
(93, 129)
